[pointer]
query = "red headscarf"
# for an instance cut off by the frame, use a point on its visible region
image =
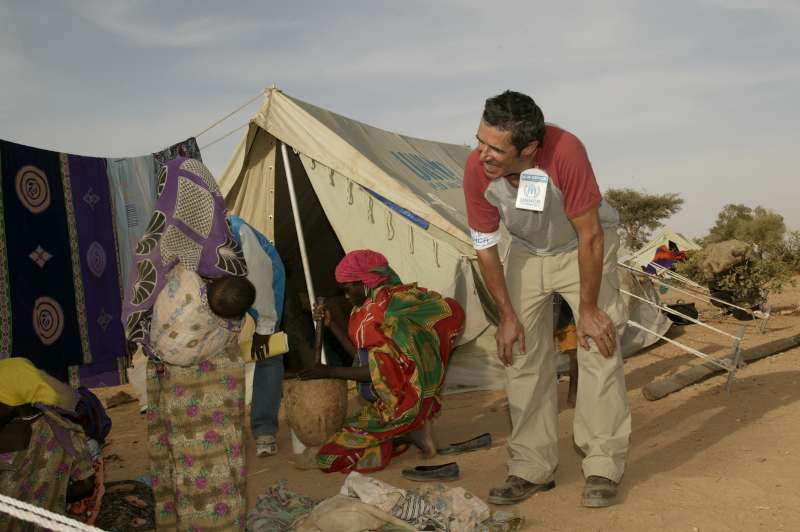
(361, 265)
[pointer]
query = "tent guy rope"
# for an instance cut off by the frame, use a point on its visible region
(227, 116)
(226, 135)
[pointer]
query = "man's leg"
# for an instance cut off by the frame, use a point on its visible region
(602, 424)
(267, 393)
(530, 385)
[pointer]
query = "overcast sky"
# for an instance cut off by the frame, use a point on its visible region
(695, 97)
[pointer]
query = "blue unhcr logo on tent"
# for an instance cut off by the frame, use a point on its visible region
(436, 174)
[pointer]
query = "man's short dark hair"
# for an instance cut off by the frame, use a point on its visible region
(517, 113)
(231, 297)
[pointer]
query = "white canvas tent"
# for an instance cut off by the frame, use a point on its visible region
(360, 187)
(643, 256)
(347, 168)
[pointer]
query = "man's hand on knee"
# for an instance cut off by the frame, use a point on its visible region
(595, 324)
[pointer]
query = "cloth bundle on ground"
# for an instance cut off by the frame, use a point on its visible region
(366, 503)
(277, 509)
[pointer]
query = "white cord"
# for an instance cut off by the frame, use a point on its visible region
(40, 516)
(681, 314)
(695, 352)
(227, 116)
(223, 137)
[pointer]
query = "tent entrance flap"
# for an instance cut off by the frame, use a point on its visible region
(322, 244)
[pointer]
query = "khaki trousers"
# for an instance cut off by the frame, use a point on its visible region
(602, 424)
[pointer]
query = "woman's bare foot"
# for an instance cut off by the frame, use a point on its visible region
(307, 459)
(423, 439)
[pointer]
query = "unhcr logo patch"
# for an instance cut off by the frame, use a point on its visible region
(436, 174)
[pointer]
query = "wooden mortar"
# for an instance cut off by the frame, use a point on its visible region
(315, 409)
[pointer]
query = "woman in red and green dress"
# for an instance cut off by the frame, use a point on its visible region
(401, 337)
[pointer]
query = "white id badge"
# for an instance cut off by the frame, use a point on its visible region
(532, 189)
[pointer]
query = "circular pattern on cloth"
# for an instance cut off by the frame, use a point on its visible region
(96, 259)
(48, 320)
(33, 190)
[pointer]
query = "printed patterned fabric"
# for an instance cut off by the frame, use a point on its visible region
(133, 184)
(40, 474)
(97, 249)
(65, 221)
(189, 227)
(194, 420)
(409, 334)
(43, 308)
(184, 331)
(187, 149)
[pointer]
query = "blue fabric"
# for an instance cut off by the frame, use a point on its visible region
(278, 272)
(267, 394)
(92, 416)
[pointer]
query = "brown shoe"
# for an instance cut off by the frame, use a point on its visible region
(517, 490)
(599, 492)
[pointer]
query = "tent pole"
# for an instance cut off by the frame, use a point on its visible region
(298, 225)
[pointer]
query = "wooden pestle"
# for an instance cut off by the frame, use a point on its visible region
(318, 325)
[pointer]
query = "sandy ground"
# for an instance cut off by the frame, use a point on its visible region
(700, 459)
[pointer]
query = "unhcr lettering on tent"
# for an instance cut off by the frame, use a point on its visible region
(436, 174)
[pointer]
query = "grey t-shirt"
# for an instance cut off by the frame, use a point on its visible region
(544, 233)
(571, 191)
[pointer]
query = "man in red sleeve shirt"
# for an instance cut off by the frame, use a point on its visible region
(538, 180)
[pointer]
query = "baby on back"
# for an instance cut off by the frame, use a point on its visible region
(230, 297)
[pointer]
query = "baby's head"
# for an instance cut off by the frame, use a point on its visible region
(230, 297)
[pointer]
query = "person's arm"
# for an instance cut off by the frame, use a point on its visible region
(260, 272)
(509, 330)
(321, 371)
(321, 314)
(265, 270)
(592, 322)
